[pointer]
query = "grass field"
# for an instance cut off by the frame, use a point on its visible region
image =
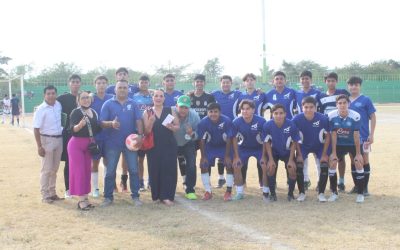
(27, 223)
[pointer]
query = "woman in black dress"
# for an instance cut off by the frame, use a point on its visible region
(162, 157)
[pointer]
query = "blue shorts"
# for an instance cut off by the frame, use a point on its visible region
(317, 151)
(245, 154)
(102, 153)
(213, 153)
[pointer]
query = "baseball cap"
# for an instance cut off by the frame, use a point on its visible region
(184, 101)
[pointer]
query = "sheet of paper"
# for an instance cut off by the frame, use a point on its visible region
(168, 119)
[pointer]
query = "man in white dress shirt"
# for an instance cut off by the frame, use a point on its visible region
(48, 135)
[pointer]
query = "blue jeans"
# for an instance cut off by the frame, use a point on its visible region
(112, 156)
(188, 151)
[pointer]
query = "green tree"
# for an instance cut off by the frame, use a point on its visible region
(57, 74)
(3, 60)
(177, 70)
(213, 68)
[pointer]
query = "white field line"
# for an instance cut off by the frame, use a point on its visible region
(248, 232)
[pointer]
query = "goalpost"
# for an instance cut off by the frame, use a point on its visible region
(22, 97)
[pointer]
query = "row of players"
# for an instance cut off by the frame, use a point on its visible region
(228, 100)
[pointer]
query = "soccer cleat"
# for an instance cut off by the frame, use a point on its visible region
(67, 195)
(137, 202)
(227, 196)
(341, 187)
(96, 193)
(238, 196)
(272, 197)
(302, 197)
(333, 197)
(353, 190)
(307, 184)
(322, 198)
(221, 183)
(290, 197)
(207, 196)
(360, 198)
(191, 196)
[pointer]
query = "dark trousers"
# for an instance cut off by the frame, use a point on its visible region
(188, 151)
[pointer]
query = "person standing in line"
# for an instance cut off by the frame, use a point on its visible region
(6, 107)
(15, 109)
(99, 98)
(48, 136)
(162, 157)
(83, 125)
(68, 103)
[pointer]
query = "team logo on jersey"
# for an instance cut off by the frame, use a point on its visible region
(286, 130)
(205, 103)
(240, 138)
(274, 97)
(128, 107)
(254, 126)
(231, 96)
(316, 124)
(256, 98)
(343, 131)
(287, 96)
(176, 98)
(197, 103)
(221, 126)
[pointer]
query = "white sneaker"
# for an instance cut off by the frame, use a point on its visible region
(333, 197)
(322, 198)
(67, 195)
(96, 193)
(302, 197)
(360, 198)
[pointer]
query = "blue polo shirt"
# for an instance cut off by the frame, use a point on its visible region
(287, 98)
(327, 103)
(142, 101)
(344, 126)
(281, 138)
(300, 95)
(258, 99)
(96, 105)
(133, 88)
(127, 114)
(249, 134)
(171, 99)
(364, 106)
(228, 102)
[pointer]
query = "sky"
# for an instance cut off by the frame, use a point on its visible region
(143, 35)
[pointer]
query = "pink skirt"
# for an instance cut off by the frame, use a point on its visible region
(80, 166)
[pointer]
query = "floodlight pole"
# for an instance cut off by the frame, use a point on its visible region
(264, 71)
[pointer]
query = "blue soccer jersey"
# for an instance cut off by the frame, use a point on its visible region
(258, 99)
(97, 104)
(228, 102)
(327, 103)
(300, 95)
(132, 88)
(364, 106)
(344, 126)
(171, 99)
(312, 133)
(216, 134)
(287, 98)
(281, 138)
(142, 101)
(249, 134)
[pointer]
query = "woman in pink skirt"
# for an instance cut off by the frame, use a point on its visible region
(82, 120)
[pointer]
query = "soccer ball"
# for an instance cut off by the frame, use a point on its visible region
(131, 142)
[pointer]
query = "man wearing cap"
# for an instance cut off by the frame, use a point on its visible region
(186, 140)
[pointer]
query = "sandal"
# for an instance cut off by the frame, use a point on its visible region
(168, 202)
(84, 208)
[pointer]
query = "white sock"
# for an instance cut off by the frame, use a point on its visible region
(360, 171)
(265, 189)
(221, 177)
(318, 164)
(183, 178)
(229, 180)
(206, 182)
(105, 171)
(95, 180)
(305, 170)
(332, 171)
(239, 189)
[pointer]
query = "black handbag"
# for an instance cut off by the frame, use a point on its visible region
(92, 147)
